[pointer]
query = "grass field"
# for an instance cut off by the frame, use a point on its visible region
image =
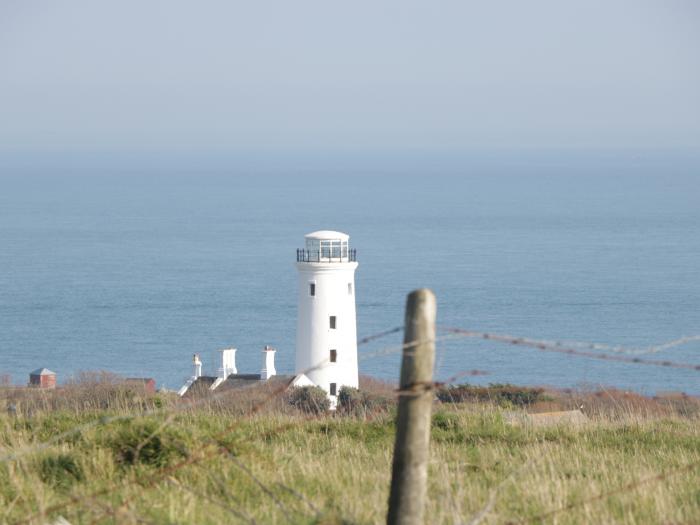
(634, 461)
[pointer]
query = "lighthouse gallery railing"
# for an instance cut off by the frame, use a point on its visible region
(326, 255)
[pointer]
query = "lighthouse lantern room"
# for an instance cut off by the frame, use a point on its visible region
(326, 345)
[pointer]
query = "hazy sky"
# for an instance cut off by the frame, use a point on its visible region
(387, 75)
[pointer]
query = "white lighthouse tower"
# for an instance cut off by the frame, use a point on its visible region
(326, 325)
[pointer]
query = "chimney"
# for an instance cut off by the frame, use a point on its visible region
(197, 365)
(228, 363)
(268, 369)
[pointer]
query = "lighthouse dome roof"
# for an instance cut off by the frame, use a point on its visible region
(327, 235)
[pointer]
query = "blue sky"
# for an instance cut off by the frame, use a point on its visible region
(362, 76)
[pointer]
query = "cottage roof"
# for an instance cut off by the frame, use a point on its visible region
(199, 386)
(235, 381)
(202, 385)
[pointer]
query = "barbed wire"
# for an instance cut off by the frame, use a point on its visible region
(567, 348)
(570, 348)
(379, 335)
(398, 348)
(493, 494)
(215, 501)
(559, 347)
(186, 404)
(453, 333)
(619, 349)
(168, 412)
(221, 449)
(164, 474)
(165, 471)
(159, 476)
(624, 488)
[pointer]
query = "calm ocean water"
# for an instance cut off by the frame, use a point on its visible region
(134, 274)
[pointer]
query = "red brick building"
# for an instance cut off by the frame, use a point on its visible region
(42, 378)
(145, 384)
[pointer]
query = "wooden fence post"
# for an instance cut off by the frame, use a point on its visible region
(409, 479)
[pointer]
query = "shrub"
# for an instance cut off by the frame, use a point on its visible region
(60, 471)
(310, 399)
(349, 398)
(445, 421)
(359, 402)
(504, 394)
(447, 427)
(146, 443)
(518, 396)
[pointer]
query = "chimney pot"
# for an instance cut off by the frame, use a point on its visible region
(197, 365)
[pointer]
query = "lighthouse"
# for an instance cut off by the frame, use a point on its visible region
(326, 345)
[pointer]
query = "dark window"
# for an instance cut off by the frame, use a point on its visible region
(334, 356)
(349, 288)
(333, 387)
(333, 321)
(312, 288)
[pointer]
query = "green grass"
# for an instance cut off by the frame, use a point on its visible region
(208, 465)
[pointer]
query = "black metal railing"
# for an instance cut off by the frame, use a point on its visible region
(326, 255)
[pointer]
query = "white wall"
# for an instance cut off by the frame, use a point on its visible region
(315, 338)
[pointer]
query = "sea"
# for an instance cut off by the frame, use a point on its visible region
(133, 273)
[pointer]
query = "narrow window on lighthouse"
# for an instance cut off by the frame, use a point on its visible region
(333, 388)
(312, 289)
(349, 288)
(332, 319)
(334, 356)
